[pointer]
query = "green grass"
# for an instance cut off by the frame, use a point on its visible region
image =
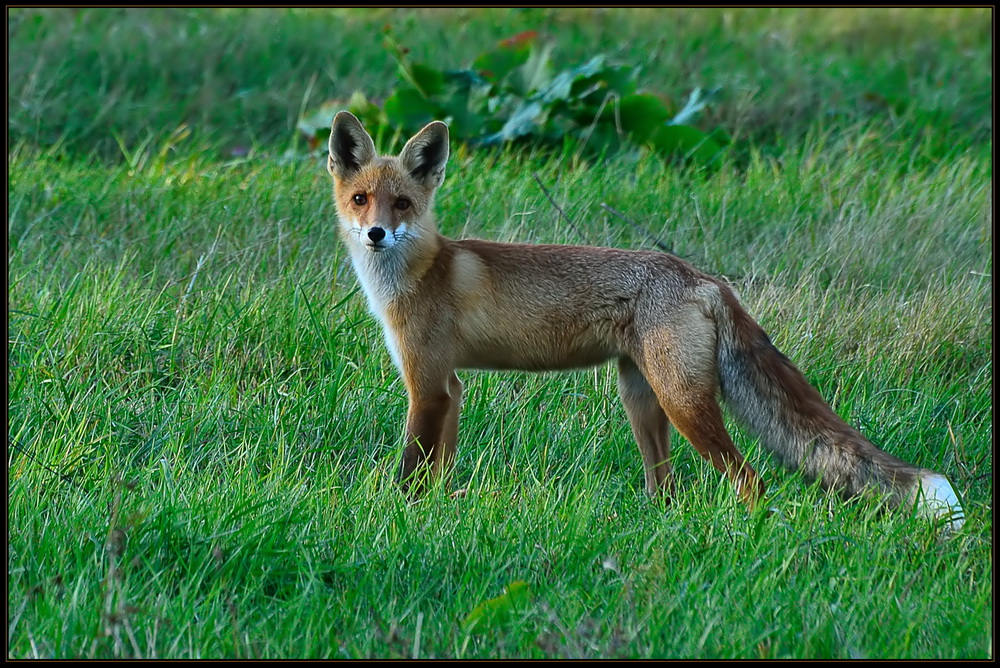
(204, 423)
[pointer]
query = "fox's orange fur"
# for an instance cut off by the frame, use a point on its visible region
(680, 337)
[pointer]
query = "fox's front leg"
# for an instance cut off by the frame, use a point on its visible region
(431, 431)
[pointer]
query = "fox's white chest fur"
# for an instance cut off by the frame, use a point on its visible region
(379, 275)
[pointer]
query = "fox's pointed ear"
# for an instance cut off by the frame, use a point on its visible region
(426, 154)
(351, 148)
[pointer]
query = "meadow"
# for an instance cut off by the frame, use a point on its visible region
(204, 423)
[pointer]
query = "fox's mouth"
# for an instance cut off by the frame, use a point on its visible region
(376, 247)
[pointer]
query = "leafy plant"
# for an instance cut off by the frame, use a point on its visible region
(511, 95)
(498, 611)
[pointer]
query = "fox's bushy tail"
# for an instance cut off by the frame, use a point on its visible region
(768, 395)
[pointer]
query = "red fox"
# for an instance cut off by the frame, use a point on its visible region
(680, 337)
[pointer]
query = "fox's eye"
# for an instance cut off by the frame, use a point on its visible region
(402, 204)
(361, 199)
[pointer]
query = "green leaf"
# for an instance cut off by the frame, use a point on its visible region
(687, 142)
(533, 74)
(524, 121)
(314, 126)
(426, 79)
(720, 137)
(620, 79)
(464, 121)
(494, 66)
(697, 100)
(409, 110)
(602, 140)
(498, 611)
(561, 86)
(642, 116)
(464, 78)
(367, 112)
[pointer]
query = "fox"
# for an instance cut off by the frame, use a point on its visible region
(680, 338)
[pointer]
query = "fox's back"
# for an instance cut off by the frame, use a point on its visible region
(553, 307)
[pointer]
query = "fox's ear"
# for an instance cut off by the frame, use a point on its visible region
(426, 154)
(351, 148)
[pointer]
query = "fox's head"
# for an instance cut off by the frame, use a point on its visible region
(385, 201)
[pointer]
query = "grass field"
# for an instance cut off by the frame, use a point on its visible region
(204, 422)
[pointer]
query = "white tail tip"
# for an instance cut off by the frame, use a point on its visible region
(937, 500)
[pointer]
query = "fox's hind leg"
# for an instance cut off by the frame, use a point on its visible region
(679, 363)
(650, 427)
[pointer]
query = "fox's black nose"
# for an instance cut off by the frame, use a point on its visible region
(376, 234)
